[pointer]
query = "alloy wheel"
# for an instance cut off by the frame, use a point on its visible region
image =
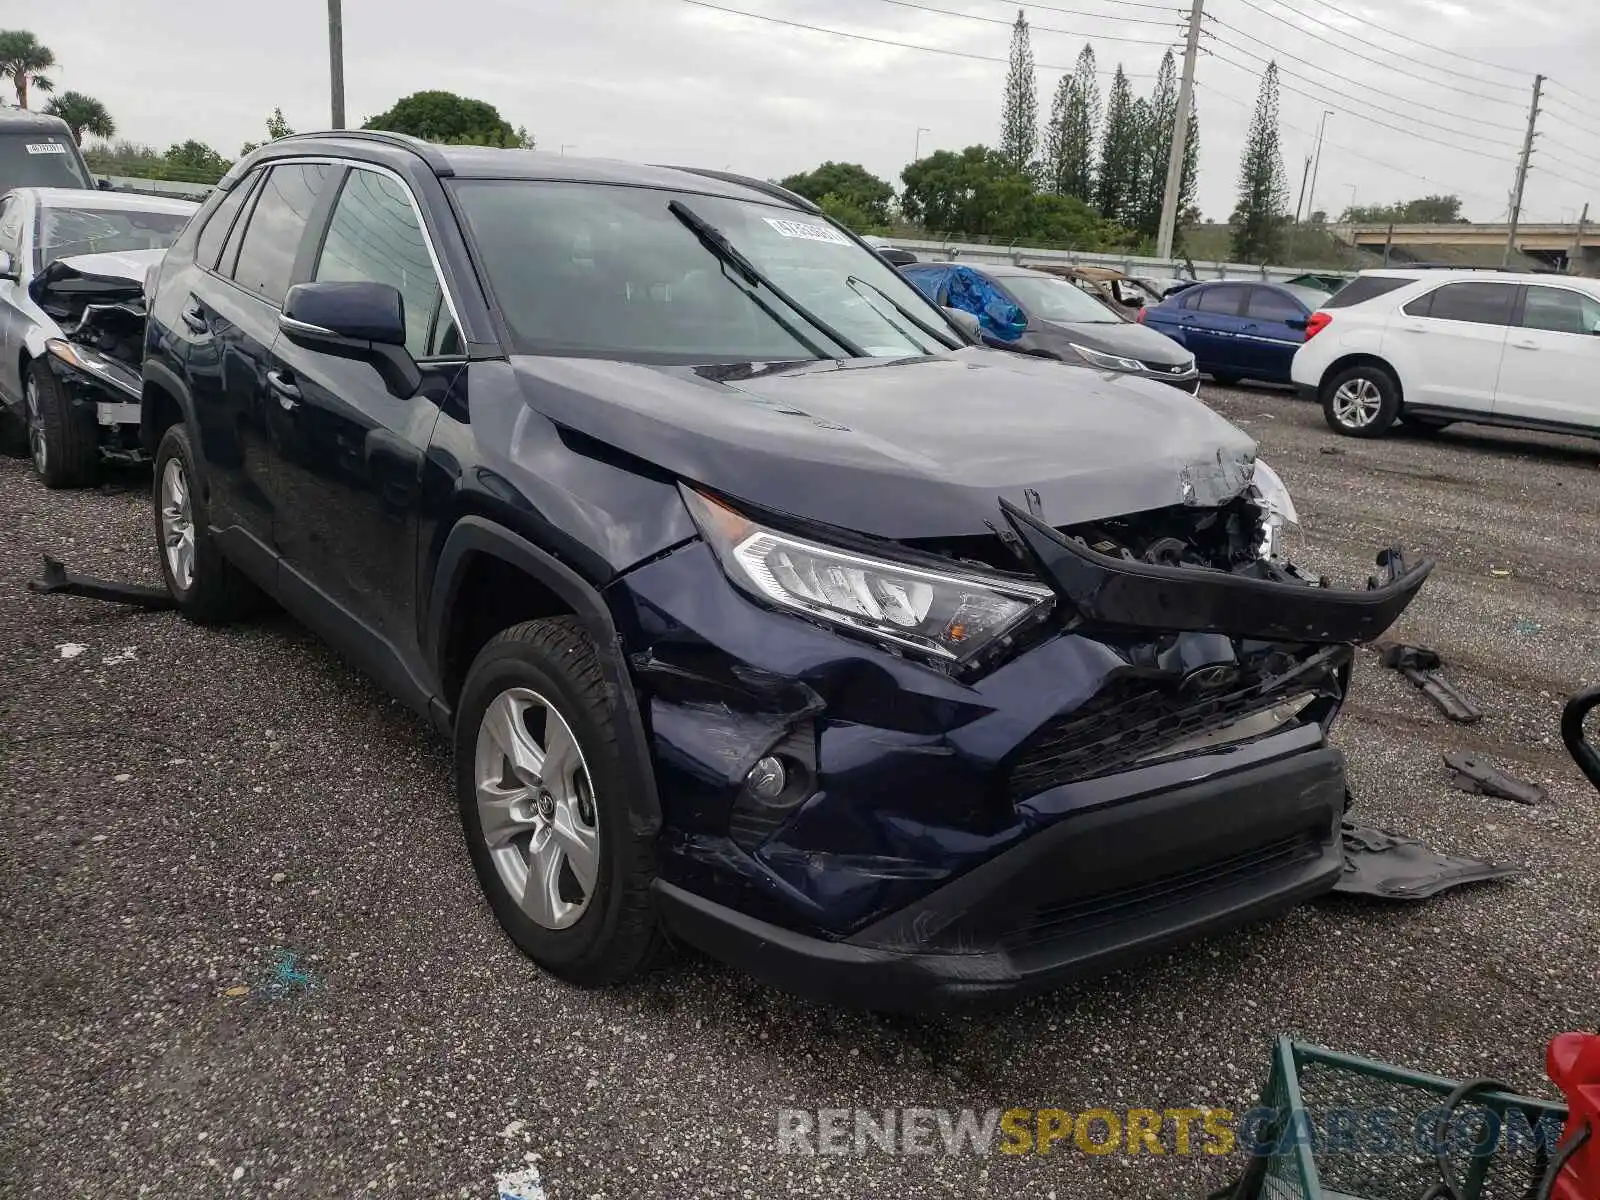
(536, 808)
(177, 524)
(1357, 403)
(36, 443)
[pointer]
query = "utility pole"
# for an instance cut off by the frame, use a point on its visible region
(336, 60)
(1317, 165)
(1577, 242)
(916, 154)
(1522, 172)
(1294, 230)
(1180, 133)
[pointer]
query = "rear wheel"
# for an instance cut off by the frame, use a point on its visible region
(63, 441)
(1361, 401)
(1223, 379)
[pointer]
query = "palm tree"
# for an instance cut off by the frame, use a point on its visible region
(23, 58)
(83, 114)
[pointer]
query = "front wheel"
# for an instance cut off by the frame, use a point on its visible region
(63, 440)
(208, 588)
(544, 807)
(1361, 401)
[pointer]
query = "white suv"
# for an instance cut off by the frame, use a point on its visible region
(1429, 347)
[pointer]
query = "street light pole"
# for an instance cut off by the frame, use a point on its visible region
(336, 61)
(916, 154)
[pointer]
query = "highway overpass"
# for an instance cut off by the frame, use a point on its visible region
(1553, 244)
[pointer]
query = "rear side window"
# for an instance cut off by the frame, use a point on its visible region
(1364, 288)
(1268, 305)
(220, 222)
(1477, 303)
(277, 223)
(38, 159)
(1220, 300)
(1560, 310)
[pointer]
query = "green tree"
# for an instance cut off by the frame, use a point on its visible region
(1122, 152)
(25, 60)
(975, 192)
(1074, 123)
(277, 127)
(448, 118)
(1163, 116)
(848, 183)
(1424, 210)
(1069, 222)
(1019, 116)
(1258, 217)
(83, 114)
(193, 162)
(848, 213)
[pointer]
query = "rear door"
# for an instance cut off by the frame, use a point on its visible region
(229, 320)
(1451, 341)
(1552, 358)
(1266, 340)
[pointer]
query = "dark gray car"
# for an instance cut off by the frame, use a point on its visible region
(1036, 313)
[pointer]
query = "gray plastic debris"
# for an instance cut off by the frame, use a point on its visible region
(1475, 776)
(1386, 866)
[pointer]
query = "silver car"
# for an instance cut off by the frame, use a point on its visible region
(63, 250)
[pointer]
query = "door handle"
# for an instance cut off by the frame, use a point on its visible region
(1416, 329)
(288, 395)
(194, 318)
(1526, 345)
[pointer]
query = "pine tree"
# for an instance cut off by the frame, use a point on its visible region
(1158, 145)
(1121, 154)
(1074, 122)
(1055, 137)
(1019, 119)
(1263, 188)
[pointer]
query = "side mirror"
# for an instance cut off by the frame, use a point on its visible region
(103, 184)
(8, 267)
(1296, 323)
(966, 322)
(361, 321)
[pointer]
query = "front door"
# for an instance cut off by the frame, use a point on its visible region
(1552, 359)
(1448, 344)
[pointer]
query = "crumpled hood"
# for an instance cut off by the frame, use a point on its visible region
(907, 448)
(79, 279)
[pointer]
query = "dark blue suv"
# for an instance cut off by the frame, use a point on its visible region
(762, 610)
(1238, 330)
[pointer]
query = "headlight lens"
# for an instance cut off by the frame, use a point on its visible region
(1277, 509)
(1108, 362)
(948, 617)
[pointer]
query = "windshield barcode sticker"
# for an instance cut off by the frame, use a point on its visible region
(46, 148)
(811, 233)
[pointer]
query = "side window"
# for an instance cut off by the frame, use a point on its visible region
(1560, 310)
(1223, 300)
(375, 237)
(1365, 287)
(11, 226)
(221, 221)
(1268, 305)
(1478, 303)
(276, 225)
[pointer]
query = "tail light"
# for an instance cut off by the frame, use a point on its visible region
(1139, 316)
(1317, 322)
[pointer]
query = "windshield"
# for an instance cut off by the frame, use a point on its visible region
(68, 231)
(39, 159)
(1047, 299)
(603, 271)
(1311, 297)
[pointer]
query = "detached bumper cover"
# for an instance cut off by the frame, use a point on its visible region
(1116, 591)
(1078, 898)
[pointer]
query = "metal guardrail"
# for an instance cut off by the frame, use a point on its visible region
(171, 188)
(1129, 264)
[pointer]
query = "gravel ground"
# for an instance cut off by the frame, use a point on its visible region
(183, 808)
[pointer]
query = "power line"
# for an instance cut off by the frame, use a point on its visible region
(1564, 178)
(1039, 28)
(881, 41)
(1410, 133)
(1574, 91)
(1568, 115)
(1376, 62)
(1578, 154)
(1365, 87)
(1371, 24)
(1079, 12)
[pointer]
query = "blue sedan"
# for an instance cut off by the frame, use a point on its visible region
(1238, 330)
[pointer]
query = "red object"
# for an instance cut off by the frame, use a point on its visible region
(1573, 1063)
(1316, 323)
(1139, 316)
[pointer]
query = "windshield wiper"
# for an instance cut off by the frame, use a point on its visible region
(714, 240)
(852, 280)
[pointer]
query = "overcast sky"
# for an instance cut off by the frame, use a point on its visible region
(669, 81)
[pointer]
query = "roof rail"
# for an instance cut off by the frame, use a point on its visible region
(429, 152)
(1427, 266)
(776, 191)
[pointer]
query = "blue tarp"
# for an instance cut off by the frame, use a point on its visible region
(971, 292)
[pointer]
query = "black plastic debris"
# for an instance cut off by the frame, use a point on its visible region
(1386, 866)
(1477, 777)
(1419, 664)
(57, 582)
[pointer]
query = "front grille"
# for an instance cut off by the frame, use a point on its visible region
(1136, 717)
(1083, 914)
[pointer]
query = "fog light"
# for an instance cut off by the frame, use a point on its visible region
(767, 778)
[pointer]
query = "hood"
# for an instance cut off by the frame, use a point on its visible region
(906, 448)
(66, 285)
(1127, 338)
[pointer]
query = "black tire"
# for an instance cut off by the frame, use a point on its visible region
(1374, 387)
(1224, 379)
(617, 935)
(63, 441)
(215, 592)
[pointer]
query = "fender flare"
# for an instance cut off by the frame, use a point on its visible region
(473, 535)
(167, 380)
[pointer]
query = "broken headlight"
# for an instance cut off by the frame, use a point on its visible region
(946, 616)
(1106, 362)
(1277, 510)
